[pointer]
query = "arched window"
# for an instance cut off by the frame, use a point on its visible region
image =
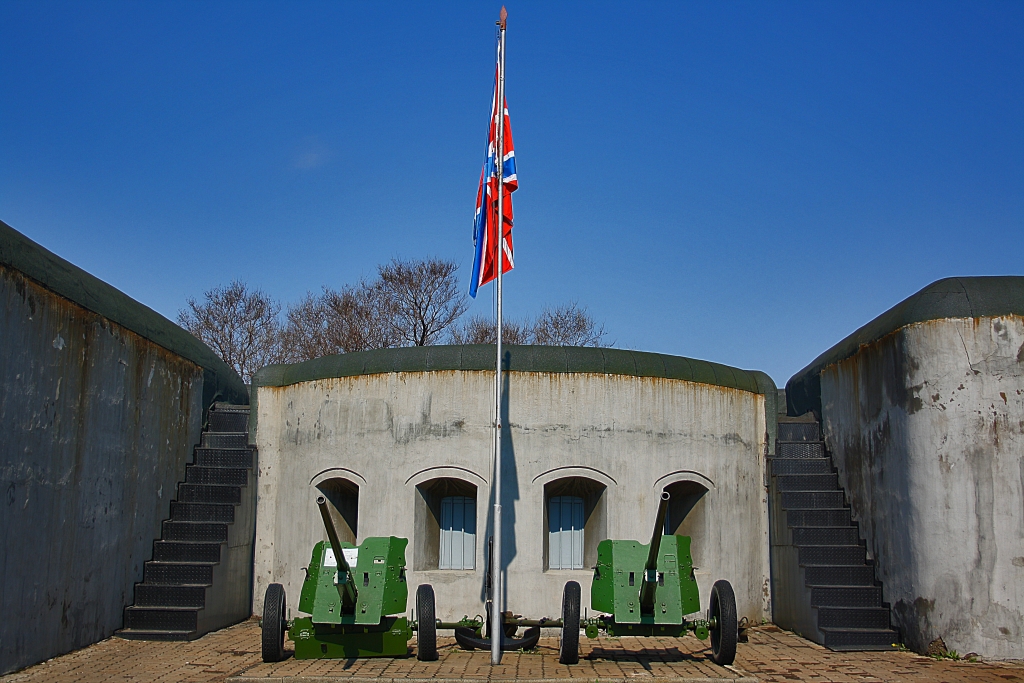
(343, 498)
(458, 533)
(445, 525)
(574, 522)
(565, 532)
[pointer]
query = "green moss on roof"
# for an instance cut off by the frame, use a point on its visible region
(953, 297)
(220, 382)
(555, 359)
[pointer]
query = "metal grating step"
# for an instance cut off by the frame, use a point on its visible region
(152, 595)
(800, 451)
(217, 476)
(229, 421)
(862, 575)
(808, 482)
(823, 517)
(225, 440)
(827, 535)
(161, 618)
(195, 532)
(782, 466)
(223, 457)
(832, 555)
(209, 493)
(202, 512)
(846, 596)
(178, 573)
(812, 499)
(799, 431)
(860, 639)
(177, 551)
(154, 634)
(853, 617)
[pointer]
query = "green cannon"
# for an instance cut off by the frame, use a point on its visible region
(351, 595)
(649, 590)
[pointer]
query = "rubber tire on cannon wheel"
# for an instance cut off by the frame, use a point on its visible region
(569, 643)
(724, 635)
(274, 624)
(426, 624)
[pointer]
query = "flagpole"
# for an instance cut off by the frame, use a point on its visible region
(497, 584)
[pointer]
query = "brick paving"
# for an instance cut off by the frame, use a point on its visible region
(771, 655)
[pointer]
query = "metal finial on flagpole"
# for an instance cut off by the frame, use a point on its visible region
(502, 17)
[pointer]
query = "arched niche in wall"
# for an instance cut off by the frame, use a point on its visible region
(445, 518)
(688, 513)
(341, 489)
(575, 516)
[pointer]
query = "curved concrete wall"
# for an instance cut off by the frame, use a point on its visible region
(926, 427)
(97, 420)
(389, 431)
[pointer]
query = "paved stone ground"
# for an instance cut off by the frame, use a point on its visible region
(771, 655)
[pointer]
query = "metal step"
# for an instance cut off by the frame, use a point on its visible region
(178, 573)
(846, 596)
(217, 476)
(808, 482)
(860, 639)
(840, 575)
(178, 551)
(195, 532)
(225, 440)
(154, 595)
(209, 493)
(202, 512)
(832, 556)
(812, 500)
(229, 421)
(223, 457)
(854, 617)
(827, 535)
(799, 431)
(150, 634)
(182, 619)
(821, 517)
(801, 450)
(782, 466)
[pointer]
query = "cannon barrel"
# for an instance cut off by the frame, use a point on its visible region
(346, 586)
(650, 579)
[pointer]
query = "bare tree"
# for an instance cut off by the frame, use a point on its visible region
(421, 300)
(568, 325)
(352, 319)
(240, 325)
(481, 330)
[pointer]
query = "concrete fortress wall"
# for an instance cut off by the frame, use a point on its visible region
(924, 412)
(101, 401)
(613, 427)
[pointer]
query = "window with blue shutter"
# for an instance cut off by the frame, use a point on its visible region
(565, 532)
(458, 533)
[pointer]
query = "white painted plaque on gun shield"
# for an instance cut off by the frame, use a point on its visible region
(351, 556)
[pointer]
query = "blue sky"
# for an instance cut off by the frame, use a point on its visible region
(740, 182)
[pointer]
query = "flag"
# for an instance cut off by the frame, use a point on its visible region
(485, 222)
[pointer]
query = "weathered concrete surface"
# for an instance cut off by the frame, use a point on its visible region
(386, 433)
(926, 427)
(96, 424)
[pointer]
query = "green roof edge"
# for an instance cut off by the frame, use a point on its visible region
(18, 252)
(951, 297)
(469, 357)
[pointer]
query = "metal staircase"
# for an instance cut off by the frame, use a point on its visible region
(824, 586)
(199, 579)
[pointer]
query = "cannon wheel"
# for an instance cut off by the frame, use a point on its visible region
(723, 636)
(569, 643)
(426, 624)
(274, 624)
